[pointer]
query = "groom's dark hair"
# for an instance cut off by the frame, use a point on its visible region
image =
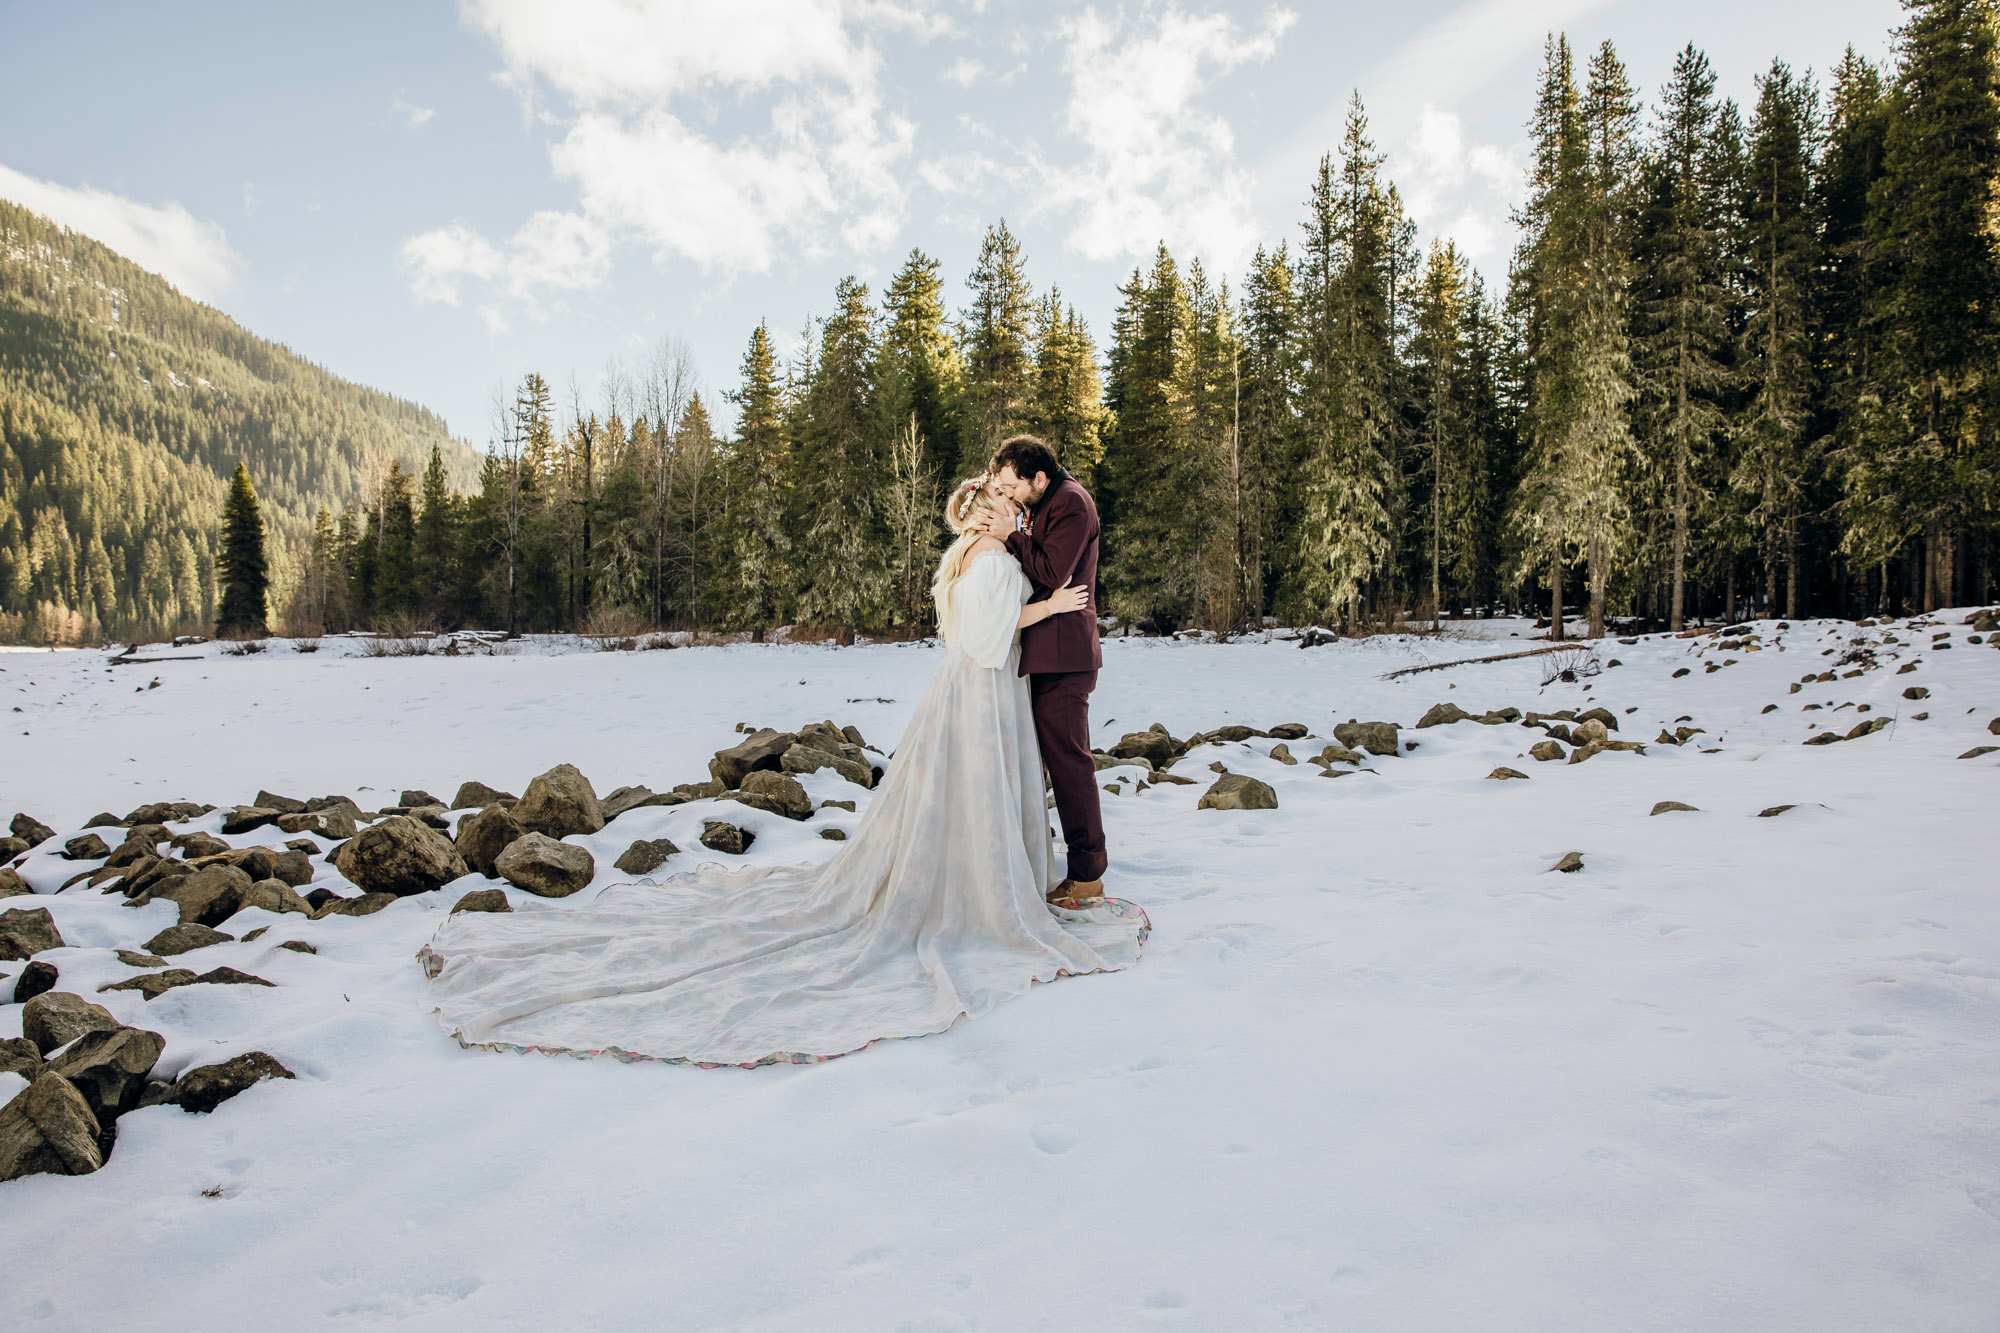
(1027, 455)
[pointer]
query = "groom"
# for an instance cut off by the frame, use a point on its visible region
(1055, 539)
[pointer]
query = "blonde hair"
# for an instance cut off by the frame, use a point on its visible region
(966, 499)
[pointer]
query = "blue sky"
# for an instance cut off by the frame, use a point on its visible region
(435, 199)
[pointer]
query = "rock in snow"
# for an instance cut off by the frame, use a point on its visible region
(777, 793)
(720, 837)
(49, 1128)
(109, 1068)
(37, 978)
(203, 1089)
(1238, 791)
(559, 804)
(400, 855)
(58, 1018)
(762, 750)
(483, 836)
(543, 866)
(645, 856)
(483, 900)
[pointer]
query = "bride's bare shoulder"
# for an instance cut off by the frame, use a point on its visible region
(985, 544)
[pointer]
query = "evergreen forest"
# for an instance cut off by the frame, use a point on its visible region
(125, 408)
(1738, 366)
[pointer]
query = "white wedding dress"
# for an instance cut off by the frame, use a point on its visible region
(933, 909)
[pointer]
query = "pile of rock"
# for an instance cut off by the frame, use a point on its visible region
(1445, 714)
(762, 771)
(1588, 731)
(65, 1121)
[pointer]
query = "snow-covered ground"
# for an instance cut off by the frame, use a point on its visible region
(1380, 1068)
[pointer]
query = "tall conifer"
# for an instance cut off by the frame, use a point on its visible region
(241, 564)
(842, 557)
(1933, 466)
(1781, 253)
(760, 530)
(1682, 352)
(995, 337)
(1347, 345)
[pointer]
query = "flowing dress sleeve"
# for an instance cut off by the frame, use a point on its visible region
(987, 606)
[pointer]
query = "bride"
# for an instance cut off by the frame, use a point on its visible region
(932, 910)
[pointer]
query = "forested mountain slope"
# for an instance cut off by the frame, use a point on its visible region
(124, 406)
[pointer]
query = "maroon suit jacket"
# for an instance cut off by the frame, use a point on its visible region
(1060, 547)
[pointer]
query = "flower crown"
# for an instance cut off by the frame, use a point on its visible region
(962, 498)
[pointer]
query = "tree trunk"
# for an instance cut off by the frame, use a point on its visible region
(1792, 566)
(1556, 588)
(1677, 600)
(1933, 549)
(1597, 585)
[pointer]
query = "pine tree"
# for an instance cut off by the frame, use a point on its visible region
(319, 601)
(241, 564)
(695, 462)
(395, 584)
(918, 370)
(1268, 441)
(1347, 347)
(1147, 561)
(995, 333)
(436, 537)
(1781, 245)
(1934, 463)
(910, 510)
(1571, 275)
(844, 572)
(1850, 164)
(761, 562)
(1488, 465)
(1603, 453)
(1438, 354)
(1068, 411)
(1682, 351)
(1206, 476)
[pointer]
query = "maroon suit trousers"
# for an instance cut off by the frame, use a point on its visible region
(1060, 701)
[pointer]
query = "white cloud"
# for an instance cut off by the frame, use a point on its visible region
(964, 71)
(640, 85)
(193, 255)
(1467, 50)
(1454, 189)
(414, 114)
(1463, 191)
(551, 251)
(1159, 166)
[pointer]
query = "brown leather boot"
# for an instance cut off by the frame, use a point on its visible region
(1076, 893)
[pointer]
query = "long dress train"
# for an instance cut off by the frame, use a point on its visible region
(932, 909)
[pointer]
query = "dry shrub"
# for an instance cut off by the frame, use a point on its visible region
(384, 646)
(406, 625)
(1569, 665)
(615, 622)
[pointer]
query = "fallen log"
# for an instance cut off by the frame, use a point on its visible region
(1566, 646)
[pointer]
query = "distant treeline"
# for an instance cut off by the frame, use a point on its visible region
(1743, 364)
(124, 406)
